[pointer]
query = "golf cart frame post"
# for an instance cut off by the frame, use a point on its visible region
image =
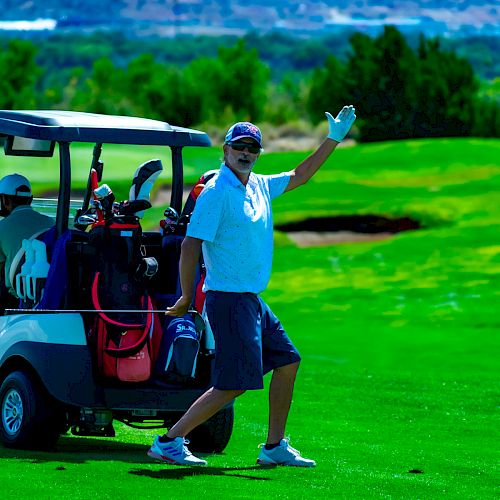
(62, 217)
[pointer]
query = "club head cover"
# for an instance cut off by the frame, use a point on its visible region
(148, 267)
(144, 178)
(133, 207)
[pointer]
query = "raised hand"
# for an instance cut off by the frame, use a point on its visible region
(340, 125)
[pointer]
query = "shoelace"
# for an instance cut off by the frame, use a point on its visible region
(183, 446)
(289, 448)
(185, 443)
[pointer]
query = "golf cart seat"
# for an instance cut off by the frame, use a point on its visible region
(29, 265)
(39, 270)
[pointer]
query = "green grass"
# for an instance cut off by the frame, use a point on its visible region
(398, 337)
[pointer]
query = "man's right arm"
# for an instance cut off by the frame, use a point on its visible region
(190, 255)
(338, 128)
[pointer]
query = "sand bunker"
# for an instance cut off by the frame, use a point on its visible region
(323, 231)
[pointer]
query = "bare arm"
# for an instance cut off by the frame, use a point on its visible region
(338, 128)
(190, 254)
(303, 172)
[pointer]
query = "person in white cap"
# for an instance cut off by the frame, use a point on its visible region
(232, 224)
(20, 222)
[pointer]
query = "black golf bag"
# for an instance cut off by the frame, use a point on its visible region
(124, 323)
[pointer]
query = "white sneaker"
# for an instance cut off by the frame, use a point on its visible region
(174, 452)
(283, 454)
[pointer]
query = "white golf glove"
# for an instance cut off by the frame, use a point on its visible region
(340, 125)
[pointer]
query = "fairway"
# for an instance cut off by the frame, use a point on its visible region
(397, 391)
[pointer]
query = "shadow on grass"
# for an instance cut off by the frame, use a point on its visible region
(175, 472)
(79, 450)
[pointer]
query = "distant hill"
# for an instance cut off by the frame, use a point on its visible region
(292, 35)
(216, 17)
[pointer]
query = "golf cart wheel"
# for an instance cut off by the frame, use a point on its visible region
(28, 420)
(213, 435)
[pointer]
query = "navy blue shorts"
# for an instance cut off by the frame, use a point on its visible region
(249, 340)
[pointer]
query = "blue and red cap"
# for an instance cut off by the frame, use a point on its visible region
(244, 129)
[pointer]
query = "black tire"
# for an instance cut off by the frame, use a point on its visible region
(213, 435)
(28, 418)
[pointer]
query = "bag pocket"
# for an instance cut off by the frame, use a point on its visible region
(178, 352)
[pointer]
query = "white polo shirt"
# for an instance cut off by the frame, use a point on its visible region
(235, 223)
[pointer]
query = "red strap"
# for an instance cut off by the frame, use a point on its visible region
(130, 349)
(137, 346)
(107, 319)
(94, 184)
(199, 296)
(115, 225)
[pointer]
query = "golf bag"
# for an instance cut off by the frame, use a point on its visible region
(124, 323)
(122, 338)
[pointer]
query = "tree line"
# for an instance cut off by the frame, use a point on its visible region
(399, 92)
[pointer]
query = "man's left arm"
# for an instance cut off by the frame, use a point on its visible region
(338, 128)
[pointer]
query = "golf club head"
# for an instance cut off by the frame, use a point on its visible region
(171, 220)
(171, 214)
(86, 219)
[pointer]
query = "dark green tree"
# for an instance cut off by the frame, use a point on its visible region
(399, 93)
(18, 75)
(433, 92)
(381, 85)
(231, 86)
(462, 91)
(205, 76)
(395, 94)
(447, 90)
(103, 91)
(486, 121)
(328, 90)
(362, 79)
(162, 92)
(243, 81)
(286, 100)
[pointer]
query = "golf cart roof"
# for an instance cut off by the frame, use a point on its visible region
(73, 126)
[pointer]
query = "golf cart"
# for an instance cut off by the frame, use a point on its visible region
(49, 379)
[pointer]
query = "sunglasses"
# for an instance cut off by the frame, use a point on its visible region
(241, 146)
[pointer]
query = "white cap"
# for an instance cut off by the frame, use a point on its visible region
(15, 185)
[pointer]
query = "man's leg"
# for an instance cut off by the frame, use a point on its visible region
(280, 356)
(235, 322)
(277, 451)
(280, 399)
(202, 409)
(171, 447)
